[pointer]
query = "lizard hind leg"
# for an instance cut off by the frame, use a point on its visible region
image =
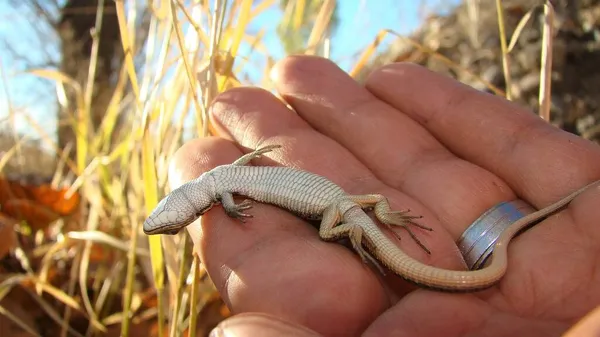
(332, 229)
(356, 235)
(389, 218)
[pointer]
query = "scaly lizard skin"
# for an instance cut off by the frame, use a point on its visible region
(314, 197)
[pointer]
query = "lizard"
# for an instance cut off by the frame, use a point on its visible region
(341, 215)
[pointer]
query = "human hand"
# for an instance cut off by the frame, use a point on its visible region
(429, 144)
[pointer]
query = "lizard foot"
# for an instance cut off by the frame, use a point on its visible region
(356, 235)
(236, 211)
(262, 150)
(403, 219)
(245, 159)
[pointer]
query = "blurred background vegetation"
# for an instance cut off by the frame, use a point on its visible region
(98, 95)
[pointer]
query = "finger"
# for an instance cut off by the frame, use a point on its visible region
(252, 117)
(436, 314)
(396, 148)
(254, 324)
(540, 162)
(276, 263)
(588, 326)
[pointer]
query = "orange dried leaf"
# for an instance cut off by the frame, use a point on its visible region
(37, 203)
(8, 238)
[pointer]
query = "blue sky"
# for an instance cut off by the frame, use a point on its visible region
(360, 21)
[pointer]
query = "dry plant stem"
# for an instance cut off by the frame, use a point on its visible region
(194, 296)
(320, 28)
(19, 322)
(89, 86)
(128, 48)
(211, 74)
(150, 199)
(183, 263)
(11, 114)
(519, 29)
(83, 124)
(83, 272)
(199, 110)
(505, 59)
(130, 277)
(546, 62)
(71, 288)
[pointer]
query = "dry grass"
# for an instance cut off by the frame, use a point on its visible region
(100, 268)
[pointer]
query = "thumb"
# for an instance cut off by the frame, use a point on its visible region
(257, 324)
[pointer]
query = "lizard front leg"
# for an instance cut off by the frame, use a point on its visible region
(245, 159)
(390, 218)
(234, 210)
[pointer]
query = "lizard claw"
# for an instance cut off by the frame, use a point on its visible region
(403, 219)
(236, 211)
(244, 205)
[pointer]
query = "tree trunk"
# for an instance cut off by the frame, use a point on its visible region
(78, 19)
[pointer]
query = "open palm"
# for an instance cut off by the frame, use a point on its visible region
(430, 144)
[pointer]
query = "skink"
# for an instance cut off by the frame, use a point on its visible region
(314, 197)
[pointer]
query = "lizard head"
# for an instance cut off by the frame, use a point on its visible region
(180, 208)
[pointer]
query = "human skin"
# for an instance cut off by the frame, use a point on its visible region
(429, 144)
